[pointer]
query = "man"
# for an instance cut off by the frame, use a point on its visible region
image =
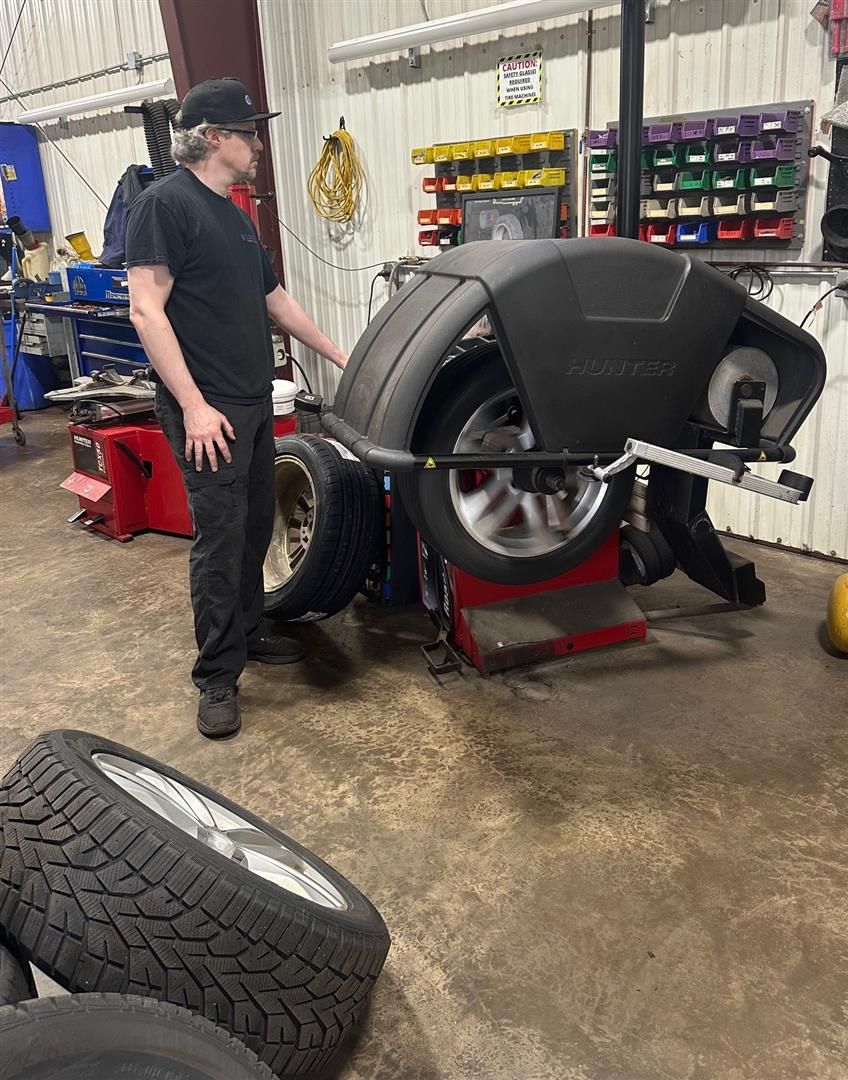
(201, 293)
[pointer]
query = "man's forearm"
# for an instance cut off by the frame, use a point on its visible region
(164, 353)
(290, 316)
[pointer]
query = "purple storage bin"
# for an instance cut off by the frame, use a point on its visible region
(698, 129)
(663, 133)
(730, 153)
(603, 140)
(783, 150)
(744, 124)
(781, 121)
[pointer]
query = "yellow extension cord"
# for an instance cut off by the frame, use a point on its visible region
(335, 184)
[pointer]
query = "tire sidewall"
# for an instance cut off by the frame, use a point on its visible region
(77, 748)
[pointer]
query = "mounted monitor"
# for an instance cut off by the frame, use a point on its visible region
(511, 215)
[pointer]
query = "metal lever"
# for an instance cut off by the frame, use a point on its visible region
(636, 450)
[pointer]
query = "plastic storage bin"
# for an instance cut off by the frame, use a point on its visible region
(603, 140)
(484, 148)
(510, 179)
(726, 153)
(699, 153)
(698, 129)
(543, 177)
(788, 121)
(661, 234)
(465, 182)
(605, 229)
(730, 204)
(443, 152)
(780, 150)
(736, 179)
(662, 133)
(742, 124)
(603, 163)
(769, 176)
(689, 206)
(427, 217)
(776, 228)
(462, 151)
(666, 156)
(547, 140)
(430, 184)
(422, 155)
(658, 208)
(735, 231)
(776, 200)
(663, 182)
(692, 181)
(696, 233)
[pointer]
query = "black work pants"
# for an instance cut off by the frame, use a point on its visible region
(233, 514)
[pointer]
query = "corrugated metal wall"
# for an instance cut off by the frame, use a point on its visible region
(700, 54)
(60, 39)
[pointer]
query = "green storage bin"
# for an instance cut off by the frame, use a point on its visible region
(769, 176)
(698, 154)
(688, 181)
(603, 163)
(736, 179)
(666, 156)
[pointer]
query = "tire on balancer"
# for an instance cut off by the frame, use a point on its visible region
(105, 894)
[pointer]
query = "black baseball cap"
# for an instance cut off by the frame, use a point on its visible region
(219, 101)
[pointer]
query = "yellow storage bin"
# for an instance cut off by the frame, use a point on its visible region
(422, 155)
(543, 177)
(464, 183)
(484, 182)
(484, 148)
(508, 179)
(443, 152)
(462, 151)
(547, 140)
(512, 144)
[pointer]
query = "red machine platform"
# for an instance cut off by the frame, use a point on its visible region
(126, 480)
(502, 626)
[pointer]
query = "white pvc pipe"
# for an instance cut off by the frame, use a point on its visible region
(466, 24)
(123, 96)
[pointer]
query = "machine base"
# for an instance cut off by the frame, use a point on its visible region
(501, 626)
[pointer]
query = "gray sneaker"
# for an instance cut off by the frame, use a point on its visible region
(218, 713)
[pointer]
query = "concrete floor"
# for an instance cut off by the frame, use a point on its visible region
(626, 866)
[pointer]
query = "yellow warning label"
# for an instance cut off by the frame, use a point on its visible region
(429, 463)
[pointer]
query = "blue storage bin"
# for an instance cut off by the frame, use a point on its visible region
(34, 375)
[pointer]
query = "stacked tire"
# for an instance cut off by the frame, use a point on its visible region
(326, 532)
(125, 881)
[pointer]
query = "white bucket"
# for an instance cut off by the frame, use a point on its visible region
(283, 394)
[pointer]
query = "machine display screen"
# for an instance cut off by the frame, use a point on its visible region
(511, 215)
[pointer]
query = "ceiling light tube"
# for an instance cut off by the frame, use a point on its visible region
(466, 24)
(123, 96)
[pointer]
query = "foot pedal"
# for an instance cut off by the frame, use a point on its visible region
(95, 519)
(75, 517)
(450, 659)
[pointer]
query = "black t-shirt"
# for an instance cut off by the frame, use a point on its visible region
(221, 278)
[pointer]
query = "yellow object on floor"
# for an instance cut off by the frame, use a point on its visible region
(837, 614)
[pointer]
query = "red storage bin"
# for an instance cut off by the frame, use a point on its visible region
(735, 229)
(774, 228)
(602, 229)
(427, 217)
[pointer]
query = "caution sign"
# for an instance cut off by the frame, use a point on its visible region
(520, 79)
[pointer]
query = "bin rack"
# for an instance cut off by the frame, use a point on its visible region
(724, 166)
(545, 158)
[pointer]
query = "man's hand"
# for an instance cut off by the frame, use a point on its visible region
(205, 429)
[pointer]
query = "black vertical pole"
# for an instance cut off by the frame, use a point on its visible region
(631, 85)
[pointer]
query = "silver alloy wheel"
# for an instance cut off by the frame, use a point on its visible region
(498, 514)
(294, 521)
(226, 832)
